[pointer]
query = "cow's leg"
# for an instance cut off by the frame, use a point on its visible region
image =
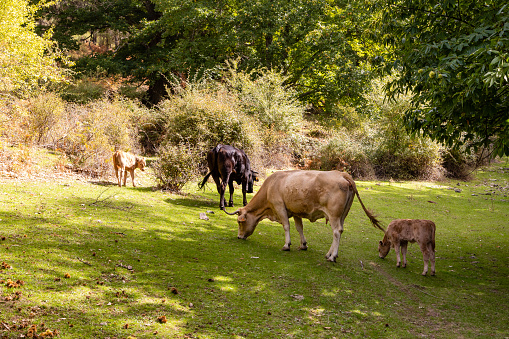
(426, 257)
(337, 230)
(286, 227)
(232, 189)
(404, 245)
(122, 169)
(125, 176)
(218, 186)
(244, 191)
(337, 222)
(132, 177)
(397, 249)
(118, 179)
(300, 229)
(282, 216)
(224, 183)
(431, 258)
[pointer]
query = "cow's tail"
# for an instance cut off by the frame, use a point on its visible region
(202, 184)
(376, 223)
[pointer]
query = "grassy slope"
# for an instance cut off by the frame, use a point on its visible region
(230, 288)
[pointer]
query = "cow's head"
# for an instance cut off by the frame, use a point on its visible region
(384, 246)
(247, 222)
(252, 176)
(140, 163)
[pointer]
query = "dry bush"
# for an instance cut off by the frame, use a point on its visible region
(176, 165)
(45, 111)
(90, 133)
(203, 115)
(344, 153)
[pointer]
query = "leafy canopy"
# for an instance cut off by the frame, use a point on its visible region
(453, 56)
(316, 43)
(26, 59)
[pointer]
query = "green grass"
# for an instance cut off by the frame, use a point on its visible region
(136, 254)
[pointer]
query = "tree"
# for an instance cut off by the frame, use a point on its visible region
(26, 59)
(453, 56)
(316, 43)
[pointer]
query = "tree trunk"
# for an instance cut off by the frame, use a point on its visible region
(157, 91)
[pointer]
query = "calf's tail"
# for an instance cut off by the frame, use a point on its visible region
(202, 184)
(376, 223)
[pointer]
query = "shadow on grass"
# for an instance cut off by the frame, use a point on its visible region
(158, 258)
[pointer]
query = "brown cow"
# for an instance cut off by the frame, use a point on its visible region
(302, 194)
(127, 162)
(401, 231)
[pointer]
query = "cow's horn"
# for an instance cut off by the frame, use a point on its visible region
(236, 212)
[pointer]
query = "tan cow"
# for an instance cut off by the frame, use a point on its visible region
(401, 231)
(302, 194)
(127, 162)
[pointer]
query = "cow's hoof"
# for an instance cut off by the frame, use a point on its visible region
(331, 259)
(432, 273)
(285, 248)
(303, 248)
(424, 274)
(230, 204)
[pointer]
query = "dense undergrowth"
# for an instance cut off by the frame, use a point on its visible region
(260, 115)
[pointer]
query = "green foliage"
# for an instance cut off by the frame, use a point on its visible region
(27, 60)
(94, 131)
(176, 165)
(460, 163)
(372, 141)
(203, 115)
(136, 254)
(397, 154)
(268, 99)
(453, 57)
(45, 111)
(344, 153)
(84, 91)
(317, 44)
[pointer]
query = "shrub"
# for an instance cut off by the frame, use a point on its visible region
(399, 155)
(344, 153)
(175, 166)
(204, 116)
(84, 90)
(392, 151)
(267, 98)
(45, 111)
(461, 162)
(92, 132)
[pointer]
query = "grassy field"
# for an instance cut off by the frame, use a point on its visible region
(91, 260)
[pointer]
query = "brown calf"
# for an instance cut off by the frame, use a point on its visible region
(126, 162)
(401, 231)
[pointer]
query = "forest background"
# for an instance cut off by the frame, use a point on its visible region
(388, 89)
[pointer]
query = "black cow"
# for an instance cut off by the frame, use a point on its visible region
(228, 164)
